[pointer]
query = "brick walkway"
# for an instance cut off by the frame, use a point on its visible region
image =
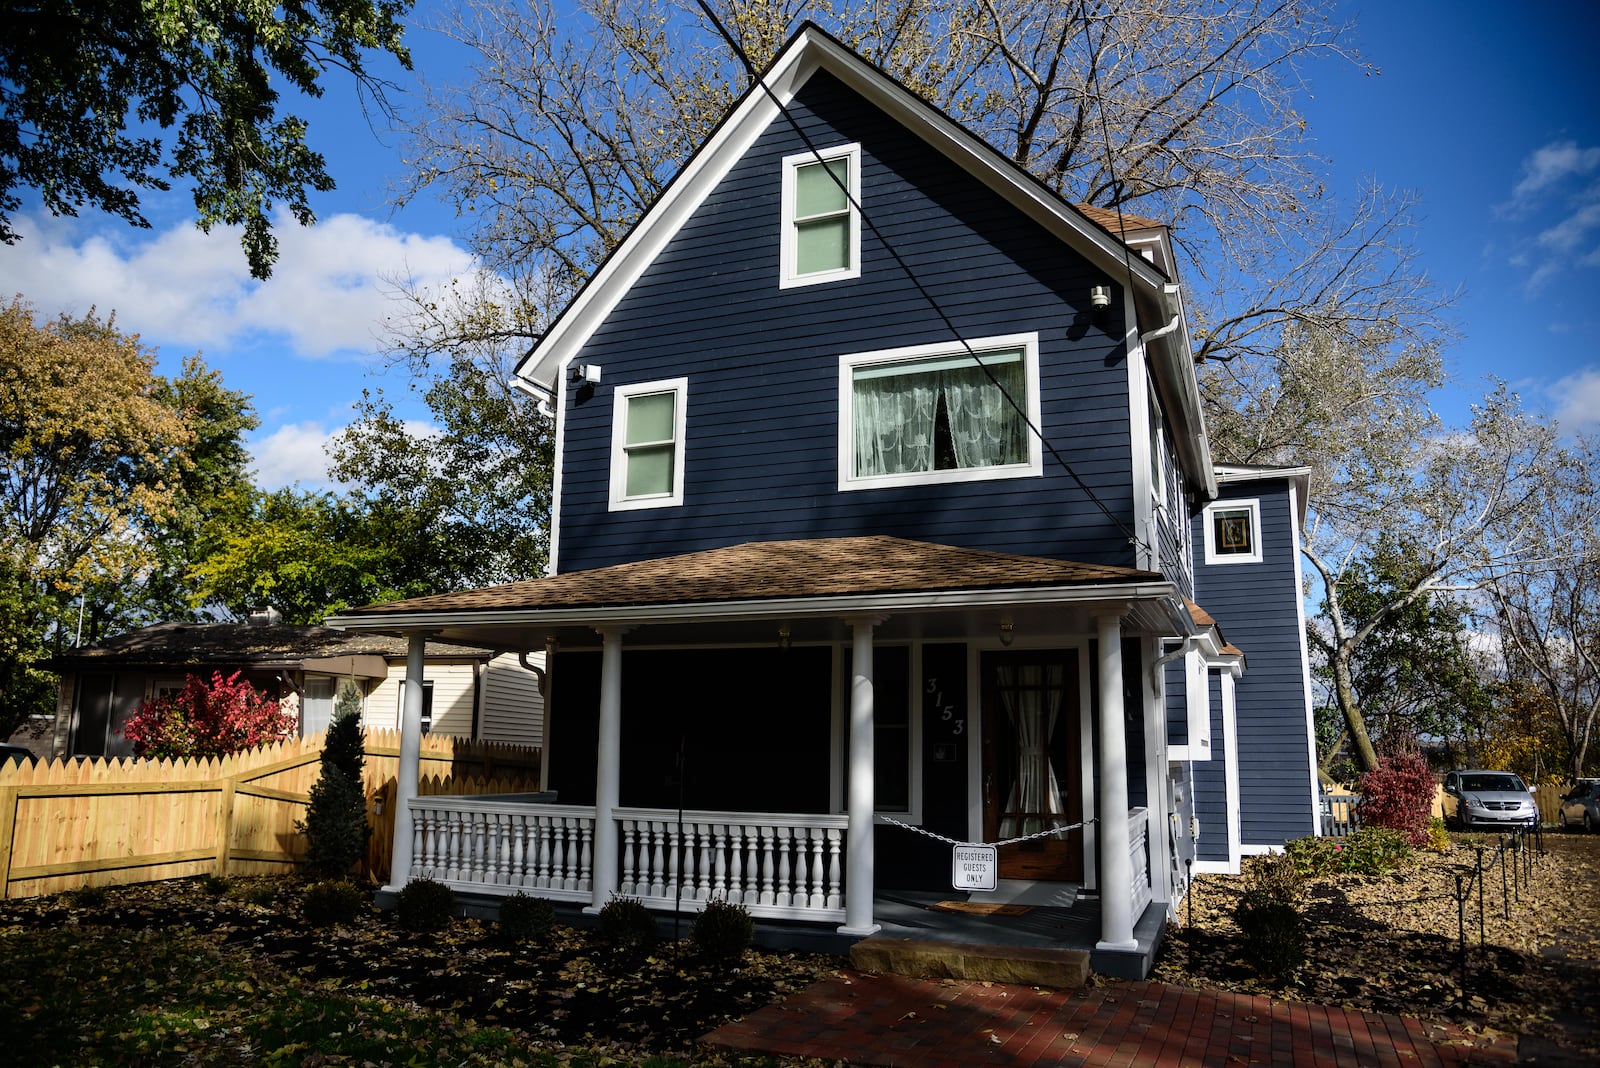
(894, 1020)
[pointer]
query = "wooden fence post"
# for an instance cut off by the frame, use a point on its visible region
(8, 829)
(225, 824)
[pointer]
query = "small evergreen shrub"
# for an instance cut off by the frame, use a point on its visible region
(722, 932)
(214, 884)
(1398, 794)
(425, 905)
(336, 819)
(1269, 916)
(626, 927)
(1438, 836)
(526, 919)
(331, 901)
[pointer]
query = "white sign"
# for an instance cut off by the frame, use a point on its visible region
(974, 867)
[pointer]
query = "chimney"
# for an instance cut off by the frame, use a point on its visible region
(265, 617)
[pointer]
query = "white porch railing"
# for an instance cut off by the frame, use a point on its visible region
(499, 845)
(777, 866)
(1139, 858)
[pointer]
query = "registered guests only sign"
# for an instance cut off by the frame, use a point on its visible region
(974, 867)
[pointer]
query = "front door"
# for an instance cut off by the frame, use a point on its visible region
(1031, 768)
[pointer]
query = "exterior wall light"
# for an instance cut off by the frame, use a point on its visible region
(1007, 630)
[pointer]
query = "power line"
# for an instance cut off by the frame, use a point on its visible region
(739, 53)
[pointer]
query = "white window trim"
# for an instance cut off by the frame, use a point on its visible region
(1253, 504)
(788, 278)
(620, 502)
(1033, 467)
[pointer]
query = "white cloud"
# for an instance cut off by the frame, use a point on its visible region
(292, 453)
(1579, 401)
(179, 287)
(1550, 165)
(1565, 237)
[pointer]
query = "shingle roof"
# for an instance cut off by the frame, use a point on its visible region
(773, 570)
(196, 644)
(1108, 219)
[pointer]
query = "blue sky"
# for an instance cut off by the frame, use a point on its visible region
(1491, 113)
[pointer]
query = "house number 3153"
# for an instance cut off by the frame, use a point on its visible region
(947, 713)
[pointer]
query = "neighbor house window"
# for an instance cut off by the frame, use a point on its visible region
(1233, 532)
(939, 413)
(647, 445)
(821, 228)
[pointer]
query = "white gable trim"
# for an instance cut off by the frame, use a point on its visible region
(811, 50)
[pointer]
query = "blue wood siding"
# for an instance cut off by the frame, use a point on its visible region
(1177, 702)
(1211, 786)
(1255, 604)
(763, 363)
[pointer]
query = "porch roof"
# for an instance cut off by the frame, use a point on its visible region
(787, 579)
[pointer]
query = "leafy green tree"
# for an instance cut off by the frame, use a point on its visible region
(335, 826)
(87, 86)
(308, 554)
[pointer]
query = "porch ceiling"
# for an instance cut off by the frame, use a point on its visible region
(744, 593)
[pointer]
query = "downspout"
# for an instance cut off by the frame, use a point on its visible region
(1190, 644)
(1159, 332)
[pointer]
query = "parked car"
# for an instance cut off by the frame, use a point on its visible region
(1479, 798)
(15, 754)
(1580, 807)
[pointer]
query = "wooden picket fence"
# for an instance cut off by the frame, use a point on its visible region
(71, 823)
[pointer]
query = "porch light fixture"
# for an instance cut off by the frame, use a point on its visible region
(587, 374)
(783, 636)
(1007, 630)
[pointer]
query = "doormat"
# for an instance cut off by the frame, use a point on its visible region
(980, 908)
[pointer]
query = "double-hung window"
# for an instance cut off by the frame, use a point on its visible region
(821, 239)
(1233, 532)
(647, 438)
(940, 413)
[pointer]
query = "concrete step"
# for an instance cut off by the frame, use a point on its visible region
(1066, 969)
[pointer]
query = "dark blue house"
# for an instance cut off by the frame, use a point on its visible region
(884, 515)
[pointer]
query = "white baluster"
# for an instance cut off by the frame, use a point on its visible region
(674, 861)
(785, 894)
(735, 891)
(419, 855)
(658, 859)
(819, 896)
(452, 848)
(519, 850)
(541, 846)
(586, 863)
(702, 889)
(835, 885)
(630, 835)
(558, 853)
(719, 863)
(767, 895)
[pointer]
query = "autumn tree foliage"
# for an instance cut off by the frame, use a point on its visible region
(207, 719)
(1398, 794)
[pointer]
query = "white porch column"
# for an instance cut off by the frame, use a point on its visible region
(1116, 872)
(410, 760)
(608, 771)
(859, 799)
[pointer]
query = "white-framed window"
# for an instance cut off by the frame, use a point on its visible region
(647, 441)
(1233, 532)
(821, 239)
(1158, 451)
(940, 413)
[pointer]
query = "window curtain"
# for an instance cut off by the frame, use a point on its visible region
(896, 419)
(1032, 696)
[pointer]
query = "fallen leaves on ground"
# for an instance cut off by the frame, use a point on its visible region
(1391, 943)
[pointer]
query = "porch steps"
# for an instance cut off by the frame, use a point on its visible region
(1066, 969)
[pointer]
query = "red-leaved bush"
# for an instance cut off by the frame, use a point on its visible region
(206, 719)
(1398, 794)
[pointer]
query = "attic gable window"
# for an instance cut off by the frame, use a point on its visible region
(939, 413)
(1233, 532)
(647, 436)
(821, 228)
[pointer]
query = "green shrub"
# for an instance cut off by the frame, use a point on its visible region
(627, 927)
(89, 896)
(1370, 851)
(1269, 916)
(1438, 836)
(263, 894)
(425, 905)
(526, 919)
(336, 819)
(331, 901)
(722, 932)
(214, 884)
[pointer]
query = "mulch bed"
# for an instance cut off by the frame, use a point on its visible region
(1389, 943)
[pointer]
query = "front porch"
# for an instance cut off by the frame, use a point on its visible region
(788, 870)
